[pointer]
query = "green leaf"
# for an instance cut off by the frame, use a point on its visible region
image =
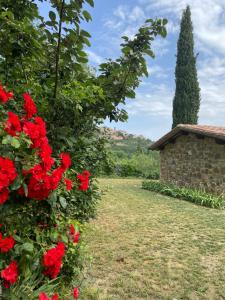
(82, 59)
(130, 94)
(64, 238)
(54, 235)
(50, 23)
(15, 143)
(165, 21)
(63, 202)
(163, 32)
(90, 2)
(8, 14)
(126, 50)
(6, 140)
(53, 199)
(85, 33)
(17, 183)
(82, 53)
(52, 15)
(149, 21)
(86, 41)
(87, 16)
(29, 247)
(17, 238)
(149, 52)
(25, 189)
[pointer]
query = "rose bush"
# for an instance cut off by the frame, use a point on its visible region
(39, 237)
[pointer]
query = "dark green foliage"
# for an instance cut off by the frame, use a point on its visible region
(145, 165)
(195, 196)
(81, 205)
(186, 102)
(52, 64)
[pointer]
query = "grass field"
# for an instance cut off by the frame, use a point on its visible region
(148, 246)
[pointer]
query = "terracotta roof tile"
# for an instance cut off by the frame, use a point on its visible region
(205, 130)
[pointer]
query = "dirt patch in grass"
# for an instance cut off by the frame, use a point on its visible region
(148, 246)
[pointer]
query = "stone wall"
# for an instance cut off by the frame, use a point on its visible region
(194, 162)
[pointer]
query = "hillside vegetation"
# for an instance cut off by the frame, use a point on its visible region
(128, 155)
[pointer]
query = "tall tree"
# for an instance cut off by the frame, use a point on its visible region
(186, 102)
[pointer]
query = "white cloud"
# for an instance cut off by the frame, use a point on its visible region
(113, 24)
(212, 81)
(172, 27)
(157, 72)
(129, 14)
(160, 46)
(126, 21)
(95, 58)
(121, 12)
(137, 14)
(157, 101)
(207, 16)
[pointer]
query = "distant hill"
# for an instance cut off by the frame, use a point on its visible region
(120, 141)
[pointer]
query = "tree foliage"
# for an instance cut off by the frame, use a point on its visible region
(186, 102)
(51, 60)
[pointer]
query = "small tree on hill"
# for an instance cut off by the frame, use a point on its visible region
(186, 102)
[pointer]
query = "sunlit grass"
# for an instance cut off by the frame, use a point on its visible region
(148, 246)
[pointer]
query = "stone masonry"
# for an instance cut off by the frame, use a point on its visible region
(196, 162)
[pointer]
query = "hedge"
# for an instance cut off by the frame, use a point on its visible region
(191, 195)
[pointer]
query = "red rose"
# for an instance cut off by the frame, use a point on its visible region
(75, 293)
(56, 177)
(84, 180)
(76, 237)
(4, 194)
(4, 96)
(45, 155)
(68, 183)
(65, 160)
(43, 296)
(52, 260)
(10, 274)
(13, 124)
(6, 244)
(29, 106)
(7, 172)
(72, 229)
(39, 189)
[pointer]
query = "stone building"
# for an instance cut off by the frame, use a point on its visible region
(193, 156)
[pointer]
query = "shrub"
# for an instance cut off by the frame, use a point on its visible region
(138, 165)
(39, 247)
(79, 205)
(195, 196)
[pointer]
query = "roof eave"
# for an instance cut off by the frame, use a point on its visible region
(177, 131)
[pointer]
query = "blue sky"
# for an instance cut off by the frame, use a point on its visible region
(150, 113)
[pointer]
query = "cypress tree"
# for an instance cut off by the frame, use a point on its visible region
(186, 102)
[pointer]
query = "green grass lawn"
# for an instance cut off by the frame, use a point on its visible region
(148, 246)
